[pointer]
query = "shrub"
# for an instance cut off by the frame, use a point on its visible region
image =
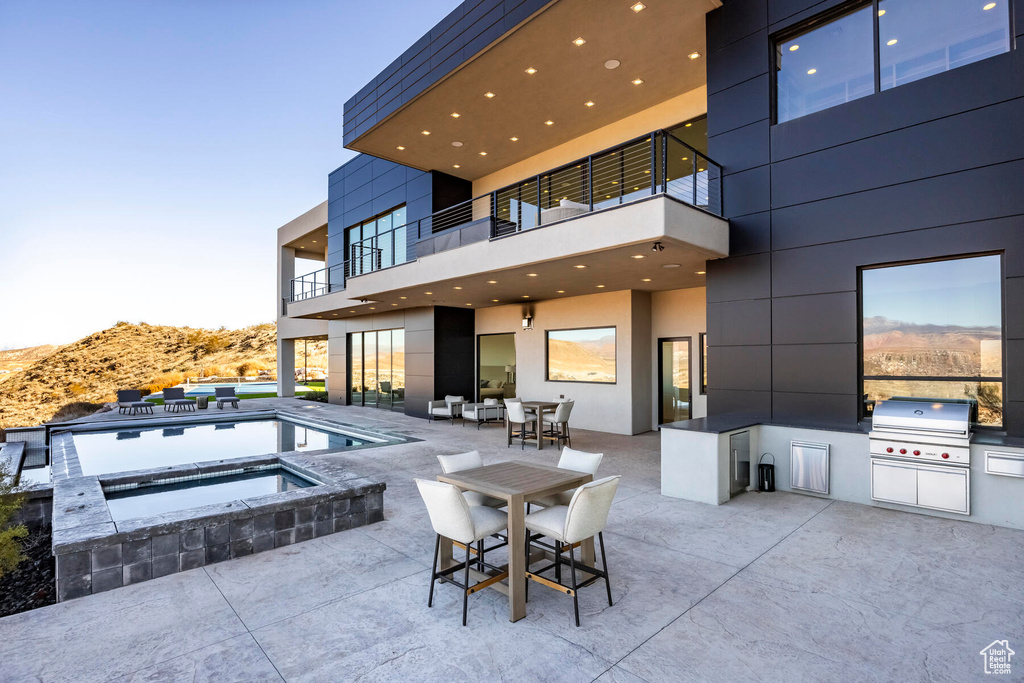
(318, 396)
(244, 369)
(10, 503)
(73, 411)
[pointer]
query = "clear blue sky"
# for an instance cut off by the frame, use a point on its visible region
(146, 147)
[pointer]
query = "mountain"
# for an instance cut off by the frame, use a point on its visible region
(582, 361)
(16, 360)
(892, 347)
(142, 356)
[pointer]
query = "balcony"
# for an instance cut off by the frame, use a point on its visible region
(652, 166)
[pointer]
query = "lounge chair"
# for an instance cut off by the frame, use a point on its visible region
(130, 401)
(174, 400)
(225, 395)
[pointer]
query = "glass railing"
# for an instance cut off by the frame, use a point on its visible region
(655, 164)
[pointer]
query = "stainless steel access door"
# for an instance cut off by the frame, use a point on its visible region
(808, 467)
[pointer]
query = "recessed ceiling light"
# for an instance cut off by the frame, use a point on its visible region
(492, 282)
(588, 104)
(646, 279)
(456, 114)
(638, 7)
(578, 42)
(488, 94)
(514, 139)
(637, 256)
(684, 158)
(351, 311)
(531, 275)
(794, 48)
(638, 81)
(319, 316)
(469, 304)
(456, 166)
(811, 72)
(334, 314)
(494, 301)
(580, 266)
(561, 291)
(694, 55)
(483, 154)
(670, 265)
(549, 123)
(891, 42)
(314, 241)
(424, 132)
(302, 246)
(428, 292)
(456, 287)
(701, 272)
(399, 148)
(599, 286)
(373, 308)
(689, 125)
(612, 64)
(989, 6)
(526, 296)
(394, 304)
(456, 143)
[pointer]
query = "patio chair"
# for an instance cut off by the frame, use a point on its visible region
(517, 416)
(225, 395)
(468, 461)
(488, 412)
(130, 401)
(584, 517)
(577, 461)
(449, 409)
(174, 400)
(557, 423)
(453, 518)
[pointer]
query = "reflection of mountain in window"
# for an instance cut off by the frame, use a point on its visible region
(934, 330)
(581, 355)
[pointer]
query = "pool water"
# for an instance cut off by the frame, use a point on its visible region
(138, 449)
(157, 499)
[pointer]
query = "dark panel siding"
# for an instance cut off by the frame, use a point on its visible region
(931, 169)
(454, 352)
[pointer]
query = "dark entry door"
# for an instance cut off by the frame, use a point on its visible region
(674, 379)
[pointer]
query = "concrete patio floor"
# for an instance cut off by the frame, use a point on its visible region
(767, 587)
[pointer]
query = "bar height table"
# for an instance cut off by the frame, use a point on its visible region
(516, 483)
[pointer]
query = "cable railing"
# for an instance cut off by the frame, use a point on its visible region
(654, 164)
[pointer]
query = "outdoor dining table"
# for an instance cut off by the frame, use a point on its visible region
(540, 407)
(516, 483)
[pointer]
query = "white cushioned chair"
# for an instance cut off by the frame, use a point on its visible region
(584, 517)
(449, 409)
(490, 411)
(577, 461)
(452, 518)
(516, 415)
(467, 461)
(557, 423)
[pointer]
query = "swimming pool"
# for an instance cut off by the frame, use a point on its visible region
(123, 450)
(240, 388)
(156, 498)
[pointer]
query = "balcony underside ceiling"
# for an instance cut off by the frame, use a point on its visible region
(652, 45)
(606, 246)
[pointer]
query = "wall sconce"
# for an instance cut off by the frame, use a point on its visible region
(527, 321)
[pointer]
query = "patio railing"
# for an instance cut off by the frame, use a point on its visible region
(654, 164)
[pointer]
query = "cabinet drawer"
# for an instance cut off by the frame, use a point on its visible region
(943, 489)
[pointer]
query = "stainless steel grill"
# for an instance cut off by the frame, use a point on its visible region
(921, 454)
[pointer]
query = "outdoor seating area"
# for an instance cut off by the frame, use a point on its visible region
(691, 591)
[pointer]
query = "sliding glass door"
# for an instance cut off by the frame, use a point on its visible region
(377, 369)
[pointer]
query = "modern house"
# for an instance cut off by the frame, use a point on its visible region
(751, 221)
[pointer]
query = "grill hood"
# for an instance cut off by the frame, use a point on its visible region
(922, 417)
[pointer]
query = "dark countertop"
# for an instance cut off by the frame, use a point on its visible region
(720, 424)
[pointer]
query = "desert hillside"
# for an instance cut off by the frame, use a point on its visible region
(16, 360)
(140, 356)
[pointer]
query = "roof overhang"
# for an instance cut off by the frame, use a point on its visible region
(653, 45)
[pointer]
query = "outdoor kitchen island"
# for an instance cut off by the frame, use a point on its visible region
(711, 460)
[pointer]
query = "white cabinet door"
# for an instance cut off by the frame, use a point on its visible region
(893, 483)
(944, 489)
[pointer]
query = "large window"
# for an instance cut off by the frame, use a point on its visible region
(377, 243)
(934, 330)
(377, 369)
(583, 355)
(881, 44)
